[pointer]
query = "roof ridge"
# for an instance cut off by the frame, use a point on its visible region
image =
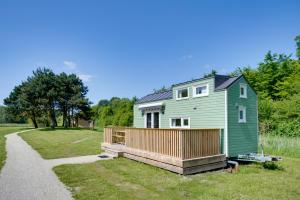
(158, 92)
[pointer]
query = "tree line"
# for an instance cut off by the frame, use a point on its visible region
(277, 83)
(6, 117)
(116, 112)
(46, 95)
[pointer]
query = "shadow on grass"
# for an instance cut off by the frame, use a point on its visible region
(62, 128)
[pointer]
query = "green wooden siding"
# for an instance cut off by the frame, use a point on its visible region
(209, 112)
(242, 137)
(204, 112)
(138, 118)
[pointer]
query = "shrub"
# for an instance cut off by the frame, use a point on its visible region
(289, 128)
(272, 166)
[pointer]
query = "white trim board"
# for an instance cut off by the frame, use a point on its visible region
(226, 125)
(150, 105)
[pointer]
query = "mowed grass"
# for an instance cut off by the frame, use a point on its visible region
(62, 143)
(4, 130)
(126, 179)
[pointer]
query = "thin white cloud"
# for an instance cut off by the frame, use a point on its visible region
(187, 57)
(70, 64)
(85, 77)
(207, 66)
(223, 71)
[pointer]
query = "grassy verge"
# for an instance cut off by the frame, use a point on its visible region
(283, 146)
(61, 143)
(4, 131)
(126, 179)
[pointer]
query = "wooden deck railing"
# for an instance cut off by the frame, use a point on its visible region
(163, 141)
(179, 143)
(200, 143)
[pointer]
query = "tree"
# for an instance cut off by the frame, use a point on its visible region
(24, 101)
(297, 40)
(7, 117)
(210, 74)
(277, 83)
(46, 88)
(44, 95)
(116, 111)
(162, 89)
(71, 98)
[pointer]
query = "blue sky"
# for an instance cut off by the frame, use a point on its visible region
(128, 48)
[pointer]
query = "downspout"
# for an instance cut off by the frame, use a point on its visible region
(234, 165)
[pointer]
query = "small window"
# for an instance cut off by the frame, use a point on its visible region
(243, 91)
(182, 94)
(176, 122)
(242, 114)
(185, 122)
(200, 90)
(180, 122)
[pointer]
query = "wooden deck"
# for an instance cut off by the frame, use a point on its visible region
(184, 151)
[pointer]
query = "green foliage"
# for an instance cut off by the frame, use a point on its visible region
(211, 74)
(289, 128)
(45, 94)
(162, 89)
(272, 166)
(297, 40)
(7, 117)
(117, 112)
(277, 83)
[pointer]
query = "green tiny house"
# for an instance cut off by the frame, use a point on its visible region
(223, 102)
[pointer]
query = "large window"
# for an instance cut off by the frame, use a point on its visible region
(180, 122)
(182, 94)
(243, 90)
(242, 114)
(200, 90)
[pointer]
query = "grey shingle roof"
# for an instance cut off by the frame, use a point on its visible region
(221, 82)
(227, 83)
(156, 97)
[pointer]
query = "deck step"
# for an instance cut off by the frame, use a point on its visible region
(114, 152)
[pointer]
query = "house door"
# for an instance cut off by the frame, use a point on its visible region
(152, 120)
(156, 120)
(149, 120)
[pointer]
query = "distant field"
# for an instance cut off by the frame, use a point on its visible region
(4, 131)
(61, 143)
(15, 125)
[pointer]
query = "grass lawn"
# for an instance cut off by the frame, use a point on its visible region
(61, 143)
(125, 179)
(4, 130)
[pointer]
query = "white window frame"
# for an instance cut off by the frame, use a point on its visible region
(244, 120)
(200, 85)
(188, 93)
(181, 122)
(242, 85)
